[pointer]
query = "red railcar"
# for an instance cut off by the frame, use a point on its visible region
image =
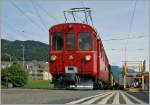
(77, 56)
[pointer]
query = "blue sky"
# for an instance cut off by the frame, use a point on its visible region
(110, 17)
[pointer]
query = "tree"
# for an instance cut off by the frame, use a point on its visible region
(5, 77)
(15, 75)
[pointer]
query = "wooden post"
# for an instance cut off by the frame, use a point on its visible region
(112, 79)
(143, 82)
(124, 78)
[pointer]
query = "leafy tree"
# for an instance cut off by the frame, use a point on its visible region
(8, 57)
(5, 77)
(15, 75)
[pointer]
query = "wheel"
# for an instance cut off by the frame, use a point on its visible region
(59, 83)
(100, 85)
(95, 86)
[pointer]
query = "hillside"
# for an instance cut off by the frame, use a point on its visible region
(33, 50)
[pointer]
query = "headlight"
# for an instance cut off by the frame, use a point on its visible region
(88, 57)
(53, 57)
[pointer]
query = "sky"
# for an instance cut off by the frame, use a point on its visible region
(31, 19)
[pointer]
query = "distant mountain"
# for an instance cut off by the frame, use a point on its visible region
(33, 50)
(117, 72)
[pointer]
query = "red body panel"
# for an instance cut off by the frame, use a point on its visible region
(97, 67)
(78, 61)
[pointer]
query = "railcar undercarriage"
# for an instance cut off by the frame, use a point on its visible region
(73, 81)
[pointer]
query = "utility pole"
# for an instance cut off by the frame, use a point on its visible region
(8, 55)
(22, 55)
(9, 58)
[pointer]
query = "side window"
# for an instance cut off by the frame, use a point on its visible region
(103, 56)
(95, 41)
(101, 51)
(57, 41)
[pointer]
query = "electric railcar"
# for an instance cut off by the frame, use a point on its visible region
(77, 57)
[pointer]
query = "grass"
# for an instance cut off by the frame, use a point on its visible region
(38, 84)
(3, 87)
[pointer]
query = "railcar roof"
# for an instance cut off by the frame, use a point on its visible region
(94, 29)
(72, 23)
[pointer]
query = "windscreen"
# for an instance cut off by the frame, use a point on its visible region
(70, 41)
(84, 41)
(57, 41)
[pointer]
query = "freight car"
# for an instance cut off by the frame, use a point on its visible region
(77, 57)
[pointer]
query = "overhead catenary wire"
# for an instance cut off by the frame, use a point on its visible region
(13, 30)
(44, 10)
(130, 26)
(119, 39)
(138, 49)
(23, 13)
(83, 5)
(17, 31)
(38, 14)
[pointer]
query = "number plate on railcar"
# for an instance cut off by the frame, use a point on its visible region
(71, 69)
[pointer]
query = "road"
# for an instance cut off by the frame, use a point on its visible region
(38, 96)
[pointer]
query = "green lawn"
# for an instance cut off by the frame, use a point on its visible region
(38, 84)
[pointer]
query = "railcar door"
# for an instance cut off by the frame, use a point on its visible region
(69, 55)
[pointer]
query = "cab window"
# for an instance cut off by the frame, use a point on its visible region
(57, 41)
(84, 41)
(70, 41)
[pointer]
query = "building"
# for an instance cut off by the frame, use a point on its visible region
(5, 64)
(38, 70)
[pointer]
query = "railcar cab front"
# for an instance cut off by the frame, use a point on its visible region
(73, 50)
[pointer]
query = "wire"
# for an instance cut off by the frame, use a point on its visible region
(18, 30)
(130, 27)
(138, 49)
(135, 37)
(14, 30)
(38, 14)
(21, 11)
(50, 16)
(89, 14)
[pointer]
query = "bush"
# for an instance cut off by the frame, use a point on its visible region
(14, 75)
(5, 78)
